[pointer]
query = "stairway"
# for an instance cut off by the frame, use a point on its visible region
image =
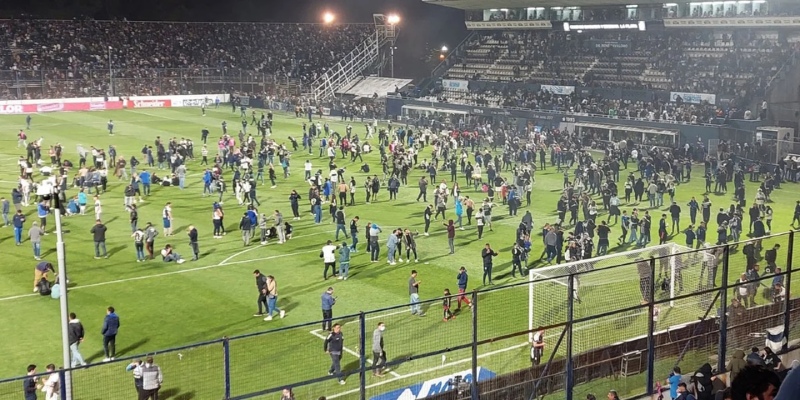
(348, 68)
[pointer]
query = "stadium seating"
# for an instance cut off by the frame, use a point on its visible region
(71, 58)
(718, 63)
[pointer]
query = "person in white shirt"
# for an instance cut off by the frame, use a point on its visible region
(166, 216)
(307, 168)
(51, 386)
(328, 255)
(98, 208)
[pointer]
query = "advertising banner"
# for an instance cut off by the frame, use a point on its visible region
(608, 44)
(59, 106)
(155, 103)
(560, 90)
(455, 84)
(693, 98)
(197, 102)
(434, 386)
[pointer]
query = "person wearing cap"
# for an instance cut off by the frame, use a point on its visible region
(374, 247)
(40, 272)
(344, 261)
(35, 236)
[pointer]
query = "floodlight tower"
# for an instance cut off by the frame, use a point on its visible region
(386, 29)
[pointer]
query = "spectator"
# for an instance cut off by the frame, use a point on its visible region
(755, 382)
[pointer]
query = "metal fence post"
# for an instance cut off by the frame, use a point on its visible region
(723, 317)
(651, 327)
(62, 383)
(787, 311)
(570, 378)
(226, 359)
(362, 356)
(475, 393)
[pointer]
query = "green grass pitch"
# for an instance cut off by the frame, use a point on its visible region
(163, 305)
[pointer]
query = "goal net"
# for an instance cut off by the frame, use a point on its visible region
(605, 284)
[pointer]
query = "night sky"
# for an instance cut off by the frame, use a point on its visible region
(423, 26)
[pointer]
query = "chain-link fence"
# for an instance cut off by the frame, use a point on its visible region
(621, 325)
(52, 84)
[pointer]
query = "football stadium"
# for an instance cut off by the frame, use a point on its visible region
(197, 207)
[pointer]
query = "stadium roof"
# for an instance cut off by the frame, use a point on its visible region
(488, 4)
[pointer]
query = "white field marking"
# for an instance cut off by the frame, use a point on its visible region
(429, 370)
(315, 333)
(138, 278)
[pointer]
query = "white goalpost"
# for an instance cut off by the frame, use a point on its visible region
(621, 280)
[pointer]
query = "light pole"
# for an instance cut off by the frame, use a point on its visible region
(393, 20)
(392, 57)
(55, 195)
(110, 74)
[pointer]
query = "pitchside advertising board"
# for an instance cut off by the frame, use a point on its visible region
(434, 386)
(96, 104)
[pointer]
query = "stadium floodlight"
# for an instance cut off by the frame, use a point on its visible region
(328, 17)
(393, 19)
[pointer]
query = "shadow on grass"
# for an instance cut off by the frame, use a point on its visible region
(175, 393)
(115, 250)
(123, 351)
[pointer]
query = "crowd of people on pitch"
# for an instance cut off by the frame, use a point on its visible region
(619, 196)
(73, 58)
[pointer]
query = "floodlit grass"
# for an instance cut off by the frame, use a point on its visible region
(164, 305)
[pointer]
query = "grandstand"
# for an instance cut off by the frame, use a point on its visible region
(84, 58)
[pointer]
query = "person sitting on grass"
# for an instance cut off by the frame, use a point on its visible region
(169, 255)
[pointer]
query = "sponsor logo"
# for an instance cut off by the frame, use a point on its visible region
(97, 105)
(435, 386)
(11, 109)
(150, 103)
(49, 107)
(196, 102)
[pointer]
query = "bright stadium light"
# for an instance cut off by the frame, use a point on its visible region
(393, 19)
(328, 18)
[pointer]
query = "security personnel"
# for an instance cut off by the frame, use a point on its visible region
(334, 344)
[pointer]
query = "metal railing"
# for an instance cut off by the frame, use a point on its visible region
(627, 333)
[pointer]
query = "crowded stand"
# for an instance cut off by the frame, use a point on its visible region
(737, 66)
(73, 58)
(687, 60)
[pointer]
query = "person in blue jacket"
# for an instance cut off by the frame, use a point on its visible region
(18, 221)
(109, 331)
